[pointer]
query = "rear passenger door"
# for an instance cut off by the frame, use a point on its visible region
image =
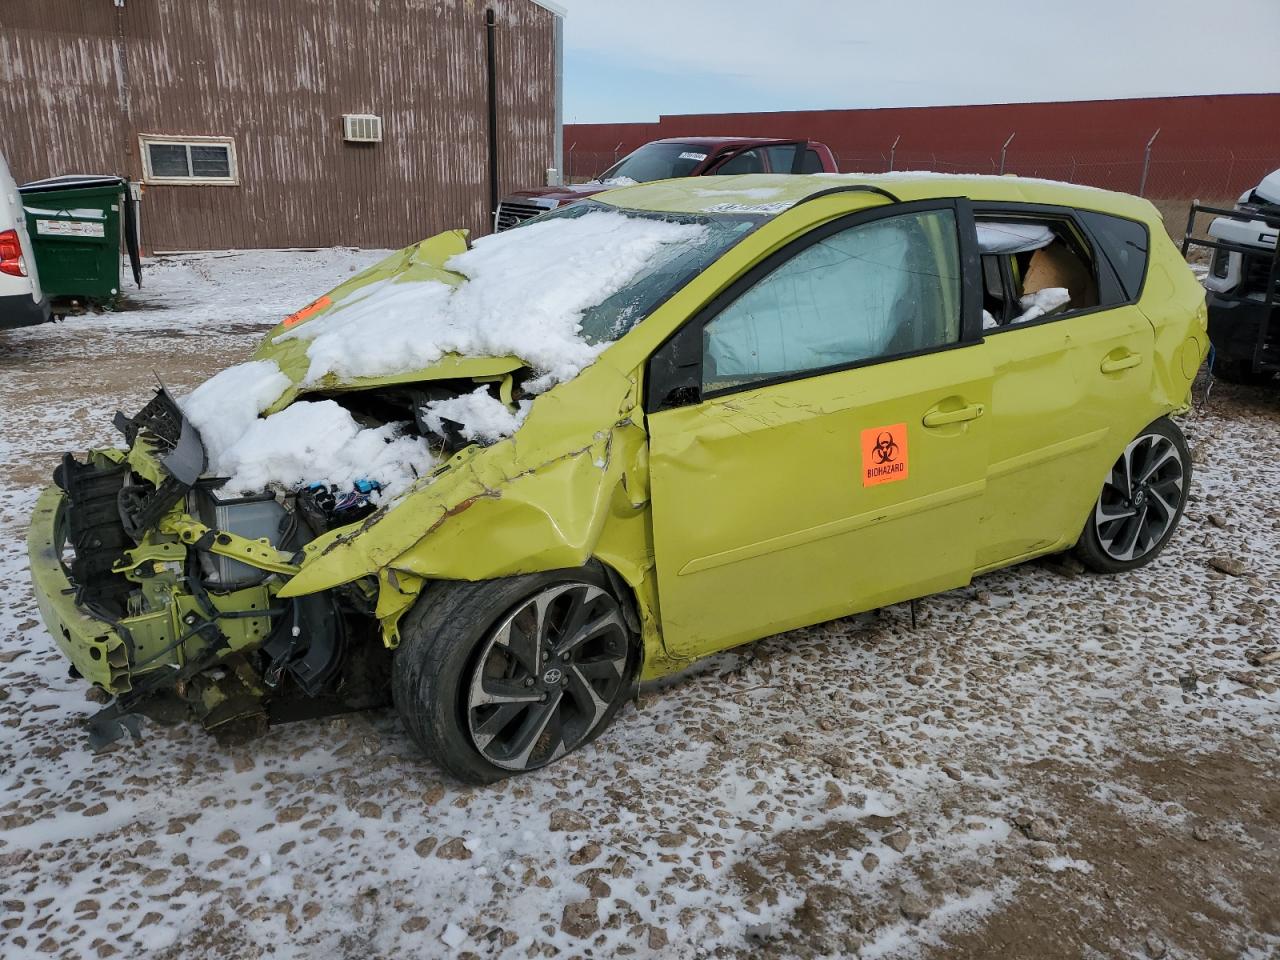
(1070, 388)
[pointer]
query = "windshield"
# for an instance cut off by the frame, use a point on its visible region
(657, 161)
(673, 267)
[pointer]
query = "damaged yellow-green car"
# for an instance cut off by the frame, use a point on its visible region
(632, 432)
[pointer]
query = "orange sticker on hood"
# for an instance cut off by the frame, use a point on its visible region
(884, 454)
(310, 310)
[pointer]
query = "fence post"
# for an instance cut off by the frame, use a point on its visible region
(1146, 164)
(893, 148)
(1005, 149)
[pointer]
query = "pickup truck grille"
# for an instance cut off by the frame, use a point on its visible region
(1256, 273)
(511, 213)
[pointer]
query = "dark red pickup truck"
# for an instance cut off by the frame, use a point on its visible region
(677, 157)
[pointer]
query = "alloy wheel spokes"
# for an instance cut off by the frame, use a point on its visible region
(547, 676)
(1140, 500)
(610, 620)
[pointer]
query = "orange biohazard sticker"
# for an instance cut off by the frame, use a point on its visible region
(884, 454)
(310, 310)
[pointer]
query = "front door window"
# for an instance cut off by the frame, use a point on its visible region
(882, 289)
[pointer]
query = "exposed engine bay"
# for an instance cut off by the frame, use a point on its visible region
(187, 573)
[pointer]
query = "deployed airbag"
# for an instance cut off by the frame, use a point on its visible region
(1005, 238)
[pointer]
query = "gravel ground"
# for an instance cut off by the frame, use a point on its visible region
(1049, 764)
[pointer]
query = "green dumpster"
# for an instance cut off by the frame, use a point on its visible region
(76, 226)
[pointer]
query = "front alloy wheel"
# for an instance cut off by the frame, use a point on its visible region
(547, 676)
(1141, 501)
(502, 676)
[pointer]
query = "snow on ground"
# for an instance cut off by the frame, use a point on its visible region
(1047, 764)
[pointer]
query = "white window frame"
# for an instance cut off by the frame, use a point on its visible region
(145, 141)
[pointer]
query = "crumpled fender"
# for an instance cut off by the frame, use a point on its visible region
(539, 500)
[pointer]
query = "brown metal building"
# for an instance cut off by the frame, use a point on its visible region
(255, 123)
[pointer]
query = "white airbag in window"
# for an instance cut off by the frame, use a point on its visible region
(1004, 238)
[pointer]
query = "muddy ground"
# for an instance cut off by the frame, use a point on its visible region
(1049, 764)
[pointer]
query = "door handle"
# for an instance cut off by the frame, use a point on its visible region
(940, 418)
(1116, 364)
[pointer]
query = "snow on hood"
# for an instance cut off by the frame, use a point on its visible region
(525, 294)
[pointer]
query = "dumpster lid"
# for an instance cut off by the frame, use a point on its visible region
(72, 181)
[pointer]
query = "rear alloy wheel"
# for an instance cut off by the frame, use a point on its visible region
(504, 676)
(1140, 503)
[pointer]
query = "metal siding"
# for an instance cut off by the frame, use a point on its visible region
(59, 88)
(277, 78)
(1209, 145)
(526, 95)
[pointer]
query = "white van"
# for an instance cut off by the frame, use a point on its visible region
(22, 302)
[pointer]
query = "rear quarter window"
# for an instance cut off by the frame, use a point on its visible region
(1125, 243)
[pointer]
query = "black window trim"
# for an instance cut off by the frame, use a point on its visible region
(1146, 260)
(1106, 272)
(669, 367)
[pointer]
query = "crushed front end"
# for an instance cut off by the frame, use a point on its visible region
(162, 592)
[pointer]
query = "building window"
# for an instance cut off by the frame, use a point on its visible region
(189, 160)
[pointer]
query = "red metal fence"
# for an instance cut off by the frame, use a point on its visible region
(1211, 147)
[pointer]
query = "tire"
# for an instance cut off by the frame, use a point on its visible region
(1140, 503)
(483, 702)
(1240, 370)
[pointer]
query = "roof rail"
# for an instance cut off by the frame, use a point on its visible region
(850, 188)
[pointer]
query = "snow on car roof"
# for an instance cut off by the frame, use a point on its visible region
(742, 192)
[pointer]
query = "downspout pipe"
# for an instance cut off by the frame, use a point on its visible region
(559, 117)
(491, 69)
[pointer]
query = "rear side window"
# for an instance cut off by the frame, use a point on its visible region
(1125, 244)
(781, 159)
(1036, 269)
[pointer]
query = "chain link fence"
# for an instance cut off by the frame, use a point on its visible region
(1170, 177)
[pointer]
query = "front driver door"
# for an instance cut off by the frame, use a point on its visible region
(830, 455)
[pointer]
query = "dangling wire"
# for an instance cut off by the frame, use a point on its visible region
(1208, 380)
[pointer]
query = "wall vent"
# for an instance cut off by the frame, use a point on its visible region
(361, 128)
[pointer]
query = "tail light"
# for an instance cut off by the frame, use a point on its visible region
(11, 260)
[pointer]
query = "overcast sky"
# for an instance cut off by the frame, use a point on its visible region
(636, 60)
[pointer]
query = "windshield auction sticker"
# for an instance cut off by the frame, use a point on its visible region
(884, 454)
